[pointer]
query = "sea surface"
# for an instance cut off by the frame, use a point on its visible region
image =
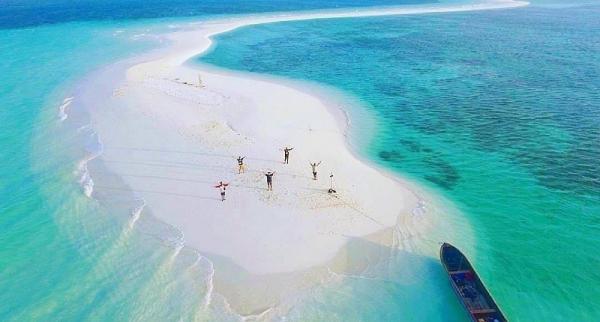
(499, 112)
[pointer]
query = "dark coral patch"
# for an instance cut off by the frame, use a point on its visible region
(390, 156)
(446, 175)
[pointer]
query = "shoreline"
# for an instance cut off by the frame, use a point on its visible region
(151, 83)
(346, 108)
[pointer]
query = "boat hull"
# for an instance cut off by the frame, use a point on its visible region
(472, 293)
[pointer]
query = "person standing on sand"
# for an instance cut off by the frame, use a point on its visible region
(222, 186)
(269, 175)
(314, 168)
(241, 168)
(286, 154)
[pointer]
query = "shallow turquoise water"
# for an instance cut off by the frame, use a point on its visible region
(498, 111)
(62, 256)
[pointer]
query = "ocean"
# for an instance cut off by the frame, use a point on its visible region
(496, 111)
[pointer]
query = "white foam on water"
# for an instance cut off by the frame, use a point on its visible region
(62, 109)
(93, 149)
(136, 212)
(420, 210)
(177, 242)
(209, 285)
(178, 249)
(86, 182)
(337, 277)
(84, 128)
(258, 316)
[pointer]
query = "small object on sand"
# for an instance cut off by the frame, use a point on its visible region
(222, 186)
(331, 189)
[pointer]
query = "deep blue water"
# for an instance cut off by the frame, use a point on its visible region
(22, 13)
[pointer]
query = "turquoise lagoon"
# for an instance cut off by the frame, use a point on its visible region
(497, 112)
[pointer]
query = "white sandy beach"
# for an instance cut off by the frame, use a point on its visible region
(172, 142)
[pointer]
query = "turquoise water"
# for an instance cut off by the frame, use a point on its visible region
(65, 257)
(62, 256)
(498, 111)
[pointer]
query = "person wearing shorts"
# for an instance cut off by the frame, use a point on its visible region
(314, 169)
(269, 175)
(241, 167)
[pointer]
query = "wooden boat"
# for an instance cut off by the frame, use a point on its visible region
(473, 295)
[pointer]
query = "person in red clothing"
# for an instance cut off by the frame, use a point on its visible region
(222, 186)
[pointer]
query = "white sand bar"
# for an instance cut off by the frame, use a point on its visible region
(171, 142)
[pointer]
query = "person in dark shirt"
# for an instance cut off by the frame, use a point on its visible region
(269, 175)
(241, 167)
(286, 154)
